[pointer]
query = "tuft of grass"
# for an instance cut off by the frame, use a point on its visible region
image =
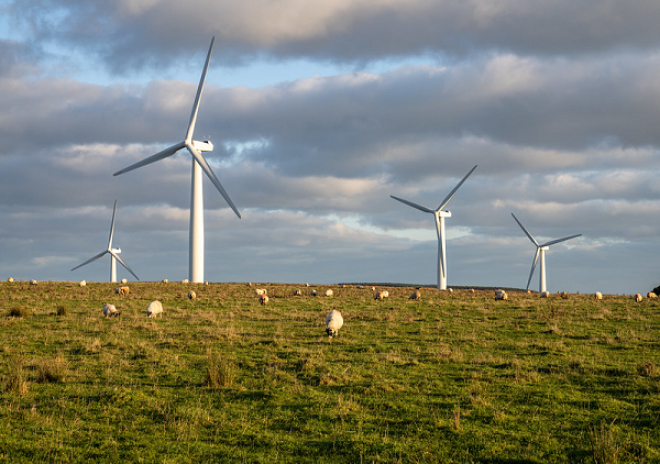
(604, 446)
(62, 310)
(648, 369)
(20, 311)
(16, 379)
(51, 370)
(220, 372)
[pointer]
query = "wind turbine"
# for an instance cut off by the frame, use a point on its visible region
(540, 252)
(440, 228)
(199, 164)
(114, 253)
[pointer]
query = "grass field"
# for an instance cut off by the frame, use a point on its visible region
(455, 377)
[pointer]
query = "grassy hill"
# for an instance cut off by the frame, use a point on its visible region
(454, 377)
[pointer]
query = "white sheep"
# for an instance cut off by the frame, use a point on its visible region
(122, 290)
(651, 296)
(192, 295)
(313, 292)
(545, 294)
(260, 291)
(416, 295)
(10, 280)
(386, 294)
(333, 322)
(263, 299)
(109, 310)
(83, 283)
(501, 295)
(184, 281)
(165, 281)
(33, 282)
(598, 296)
(638, 297)
(155, 308)
(124, 281)
(297, 292)
(380, 295)
(329, 292)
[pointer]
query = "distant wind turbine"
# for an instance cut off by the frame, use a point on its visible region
(114, 253)
(440, 228)
(199, 164)
(540, 252)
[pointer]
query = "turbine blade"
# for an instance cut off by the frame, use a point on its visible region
(525, 230)
(451, 194)
(112, 226)
(207, 169)
(153, 158)
(91, 259)
(200, 88)
(560, 240)
(116, 256)
(414, 205)
(536, 259)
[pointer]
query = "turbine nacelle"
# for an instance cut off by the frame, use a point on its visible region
(443, 214)
(204, 146)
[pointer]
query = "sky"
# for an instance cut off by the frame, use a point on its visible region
(319, 111)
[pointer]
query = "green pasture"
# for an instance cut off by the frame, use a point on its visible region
(455, 377)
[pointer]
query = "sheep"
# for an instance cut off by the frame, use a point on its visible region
(260, 291)
(598, 296)
(638, 297)
(10, 280)
(184, 281)
(333, 322)
(501, 295)
(545, 294)
(33, 282)
(313, 292)
(263, 299)
(122, 290)
(471, 291)
(329, 293)
(165, 281)
(124, 281)
(381, 295)
(83, 283)
(297, 292)
(564, 295)
(416, 295)
(386, 293)
(155, 308)
(109, 310)
(651, 296)
(192, 295)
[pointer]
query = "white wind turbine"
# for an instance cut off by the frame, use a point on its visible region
(114, 253)
(440, 228)
(199, 164)
(540, 252)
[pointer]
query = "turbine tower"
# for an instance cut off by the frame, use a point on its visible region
(540, 253)
(199, 164)
(114, 253)
(440, 228)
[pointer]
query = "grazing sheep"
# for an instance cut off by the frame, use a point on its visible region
(651, 295)
(545, 294)
(598, 296)
(192, 295)
(333, 323)
(329, 292)
(83, 283)
(155, 308)
(416, 295)
(260, 291)
(313, 292)
(297, 292)
(122, 290)
(109, 310)
(33, 282)
(386, 293)
(10, 280)
(124, 281)
(471, 291)
(381, 295)
(184, 281)
(638, 297)
(450, 290)
(165, 281)
(501, 295)
(263, 299)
